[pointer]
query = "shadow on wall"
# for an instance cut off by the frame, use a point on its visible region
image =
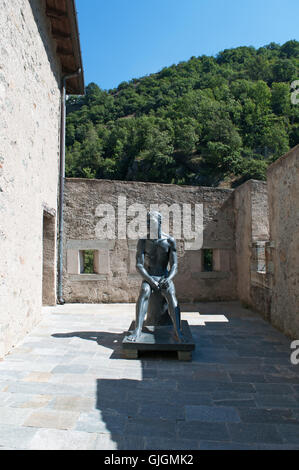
(38, 8)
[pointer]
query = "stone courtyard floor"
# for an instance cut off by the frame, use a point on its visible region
(67, 385)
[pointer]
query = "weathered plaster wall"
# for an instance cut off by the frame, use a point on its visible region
(260, 211)
(118, 281)
(283, 188)
(29, 150)
(243, 211)
(252, 226)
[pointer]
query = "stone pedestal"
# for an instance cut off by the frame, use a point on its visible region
(160, 338)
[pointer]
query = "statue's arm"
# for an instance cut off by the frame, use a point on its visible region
(173, 264)
(140, 264)
(173, 259)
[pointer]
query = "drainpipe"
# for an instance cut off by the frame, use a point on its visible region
(61, 183)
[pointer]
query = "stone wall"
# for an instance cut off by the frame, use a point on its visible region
(283, 189)
(246, 264)
(252, 235)
(115, 278)
(29, 151)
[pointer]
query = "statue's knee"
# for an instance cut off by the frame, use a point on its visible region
(171, 289)
(146, 291)
(169, 294)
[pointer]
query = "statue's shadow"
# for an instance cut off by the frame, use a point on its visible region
(114, 342)
(107, 340)
(125, 405)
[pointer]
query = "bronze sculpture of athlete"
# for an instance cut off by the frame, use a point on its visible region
(154, 255)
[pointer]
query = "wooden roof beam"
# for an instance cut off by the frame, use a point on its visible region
(67, 71)
(64, 52)
(60, 34)
(57, 14)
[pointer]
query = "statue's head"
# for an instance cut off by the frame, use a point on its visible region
(154, 224)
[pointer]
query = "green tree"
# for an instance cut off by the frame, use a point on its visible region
(197, 122)
(281, 99)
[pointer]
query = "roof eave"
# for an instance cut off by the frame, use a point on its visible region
(64, 27)
(79, 86)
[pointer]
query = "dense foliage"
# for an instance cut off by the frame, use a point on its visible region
(204, 121)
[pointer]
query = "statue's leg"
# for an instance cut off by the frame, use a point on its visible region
(174, 310)
(141, 309)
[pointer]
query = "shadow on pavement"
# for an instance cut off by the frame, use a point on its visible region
(239, 392)
(142, 413)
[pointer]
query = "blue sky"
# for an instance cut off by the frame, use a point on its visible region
(125, 39)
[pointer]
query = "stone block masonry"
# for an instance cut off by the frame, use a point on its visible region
(250, 236)
(115, 278)
(267, 244)
(283, 190)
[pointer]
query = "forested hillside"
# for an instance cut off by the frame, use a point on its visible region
(207, 121)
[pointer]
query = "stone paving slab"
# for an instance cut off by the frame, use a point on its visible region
(251, 433)
(67, 386)
(53, 439)
(212, 414)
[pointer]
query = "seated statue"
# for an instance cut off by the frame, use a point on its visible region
(154, 255)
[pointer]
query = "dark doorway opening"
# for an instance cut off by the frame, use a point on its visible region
(49, 268)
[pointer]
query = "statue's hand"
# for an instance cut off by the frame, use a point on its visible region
(155, 285)
(164, 283)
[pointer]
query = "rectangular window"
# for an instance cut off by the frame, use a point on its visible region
(208, 260)
(87, 262)
(259, 256)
